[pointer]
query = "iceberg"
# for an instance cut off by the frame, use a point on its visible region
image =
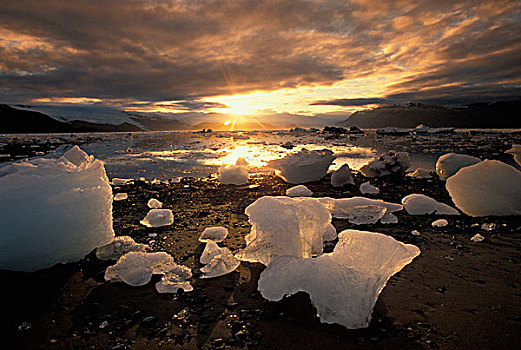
(299, 191)
(284, 226)
(119, 247)
(345, 284)
(449, 164)
(420, 204)
(154, 204)
(304, 166)
(388, 163)
(367, 188)
(216, 234)
(487, 188)
(342, 176)
(233, 175)
(53, 210)
(158, 218)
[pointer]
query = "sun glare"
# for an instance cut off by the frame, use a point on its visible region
(228, 122)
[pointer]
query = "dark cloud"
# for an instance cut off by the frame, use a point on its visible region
(183, 50)
(350, 102)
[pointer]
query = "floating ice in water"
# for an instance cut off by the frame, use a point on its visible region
(343, 285)
(361, 210)
(420, 173)
(304, 166)
(488, 227)
(342, 177)
(388, 163)
(487, 188)
(173, 280)
(420, 204)
(233, 175)
(299, 191)
(449, 164)
(158, 217)
(216, 234)
(367, 188)
(284, 226)
(330, 233)
(440, 223)
(137, 268)
(120, 196)
(516, 152)
(477, 238)
(119, 247)
(53, 210)
(154, 204)
(118, 182)
(221, 264)
(392, 131)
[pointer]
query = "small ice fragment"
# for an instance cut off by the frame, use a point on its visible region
(233, 175)
(299, 191)
(420, 173)
(477, 238)
(367, 188)
(440, 223)
(304, 166)
(388, 163)
(366, 214)
(288, 145)
(119, 247)
(155, 181)
(103, 324)
(516, 152)
(329, 233)
(154, 204)
(158, 217)
(152, 235)
(389, 218)
(488, 227)
(120, 196)
(241, 162)
(216, 234)
(175, 279)
(137, 268)
(342, 208)
(181, 315)
(420, 204)
(449, 164)
(24, 326)
(415, 233)
(220, 265)
(118, 182)
(210, 250)
(342, 176)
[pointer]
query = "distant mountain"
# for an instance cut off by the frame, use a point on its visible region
(477, 115)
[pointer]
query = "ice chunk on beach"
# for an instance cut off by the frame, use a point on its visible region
(119, 182)
(119, 247)
(233, 175)
(210, 250)
(220, 265)
(367, 188)
(174, 279)
(345, 284)
(440, 223)
(388, 163)
(420, 204)
(360, 210)
(389, 218)
(53, 210)
(299, 191)
(342, 177)
(420, 173)
(158, 218)
(487, 188)
(330, 233)
(477, 238)
(216, 234)
(154, 204)
(241, 161)
(284, 226)
(137, 268)
(449, 164)
(304, 166)
(120, 196)
(516, 152)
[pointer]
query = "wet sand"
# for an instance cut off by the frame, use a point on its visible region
(456, 295)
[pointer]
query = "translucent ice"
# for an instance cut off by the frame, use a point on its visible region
(330, 233)
(120, 196)
(137, 268)
(388, 163)
(487, 188)
(53, 210)
(154, 204)
(343, 285)
(367, 188)
(440, 223)
(221, 264)
(210, 250)
(360, 210)
(299, 191)
(342, 177)
(477, 238)
(448, 164)
(284, 226)
(118, 182)
(516, 152)
(420, 173)
(233, 175)
(241, 162)
(420, 204)
(119, 247)
(216, 234)
(174, 279)
(304, 166)
(158, 217)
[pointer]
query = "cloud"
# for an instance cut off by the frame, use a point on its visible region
(350, 102)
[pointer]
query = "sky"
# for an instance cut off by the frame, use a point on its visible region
(256, 57)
